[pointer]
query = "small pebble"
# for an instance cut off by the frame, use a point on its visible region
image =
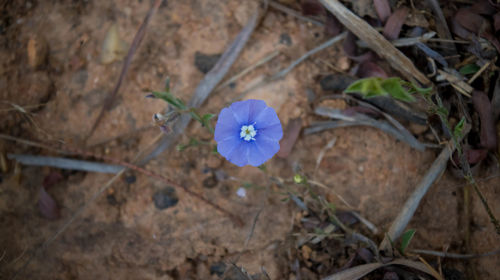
(37, 51)
(285, 39)
(205, 62)
(241, 192)
(210, 182)
(165, 198)
(218, 268)
(130, 179)
(111, 199)
(336, 82)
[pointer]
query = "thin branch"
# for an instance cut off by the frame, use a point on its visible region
(410, 206)
(282, 73)
(294, 13)
(128, 60)
(65, 163)
(453, 255)
(248, 69)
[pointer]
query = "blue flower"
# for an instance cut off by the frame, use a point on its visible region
(248, 132)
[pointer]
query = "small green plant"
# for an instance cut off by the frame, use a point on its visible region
(394, 87)
(405, 240)
(180, 107)
(469, 69)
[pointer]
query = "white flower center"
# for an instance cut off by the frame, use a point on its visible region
(248, 132)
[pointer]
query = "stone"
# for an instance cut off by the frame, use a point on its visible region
(205, 62)
(165, 198)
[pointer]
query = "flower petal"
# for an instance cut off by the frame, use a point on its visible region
(227, 146)
(274, 132)
(266, 118)
(255, 156)
(240, 111)
(267, 147)
(255, 108)
(226, 125)
(239, 155)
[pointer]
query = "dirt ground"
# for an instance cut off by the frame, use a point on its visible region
(123, 235)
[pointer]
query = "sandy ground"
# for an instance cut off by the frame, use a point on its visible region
(123, 235)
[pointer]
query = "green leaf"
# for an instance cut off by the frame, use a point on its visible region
(469, 69)
(195, 115)
(406, 239)
(262, 167)
(192, 143)
(167, 84)
(170, 98)
(459, 127)
(207, 117)
(214, 150)
(368, 87)
(394, 87)
(299, 179)
(442, 111)
(206, 121)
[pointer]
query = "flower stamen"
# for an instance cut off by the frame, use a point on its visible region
(248, 132)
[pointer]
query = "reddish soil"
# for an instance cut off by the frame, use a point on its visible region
(122, 235)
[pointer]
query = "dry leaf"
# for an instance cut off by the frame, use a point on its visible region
(47, 205)
(482, 106)
(395, 22)
(290, 136)
(113, 47)
(383, 9)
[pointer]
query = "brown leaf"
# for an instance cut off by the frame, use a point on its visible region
(47, 205)
(483, 7)
(470, 20)
(496, 21)
(365, 254)
(53, 178)
(383, 9)
(290, 136)
(350, 48)
(495, 101)
(393, 25)
(478, 25)
(332, 25)
(312, 8)
(475, 155)
(459, 30)
(370, 69)
(482, 106)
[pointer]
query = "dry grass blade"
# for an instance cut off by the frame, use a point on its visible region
(66, 163)
(294, 13)
(206, 86)
(359, 119)
(376, 41)
(405, 215)
(453, 255)
(442, 27)
(456, 83)
(357, 272)
(282, 73)
(248, 69)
